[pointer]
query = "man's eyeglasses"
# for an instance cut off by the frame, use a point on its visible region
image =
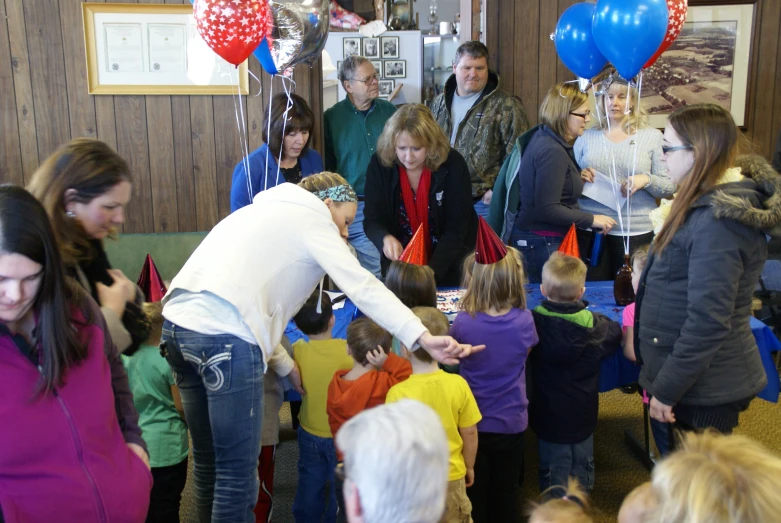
(666, 149)
(582, 115)
(372, 78)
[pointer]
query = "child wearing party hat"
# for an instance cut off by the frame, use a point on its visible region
(494, 313)
(564, 374)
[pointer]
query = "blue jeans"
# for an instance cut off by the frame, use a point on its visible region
(536, 250)
(316, 464)
(368, 255)
(661, 433)
(559, 461)
(220, 379)
(482, 209)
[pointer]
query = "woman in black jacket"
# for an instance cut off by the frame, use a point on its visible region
(550, 180)
(700, 360)
(415, 179)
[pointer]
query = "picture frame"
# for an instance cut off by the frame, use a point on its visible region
(370, 47)
(390, 47)
(386, 88)
(395, 69)
(717, 71)
(153, 49)
(351, 47)
(378, 66)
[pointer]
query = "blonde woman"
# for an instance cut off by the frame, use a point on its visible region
(550, 181)
(623, 140)
(415, 179)
(226, 315)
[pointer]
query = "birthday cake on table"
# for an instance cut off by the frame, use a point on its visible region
(447, 301)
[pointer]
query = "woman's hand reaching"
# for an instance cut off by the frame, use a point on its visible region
(116, 295)
(635, 183)
(603, 222)
(445, 349)
(588, 174)
(391, 247)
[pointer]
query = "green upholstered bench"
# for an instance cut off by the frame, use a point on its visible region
(169, 251)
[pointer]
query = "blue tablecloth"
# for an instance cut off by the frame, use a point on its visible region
(616, 370)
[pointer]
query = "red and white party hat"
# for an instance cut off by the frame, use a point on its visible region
(570, 244)
(150, 281)
(415, 251)
(489, 248)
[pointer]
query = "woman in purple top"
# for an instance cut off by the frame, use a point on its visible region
(494, 312)
(64, 455)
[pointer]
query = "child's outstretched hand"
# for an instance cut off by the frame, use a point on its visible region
(377, 357)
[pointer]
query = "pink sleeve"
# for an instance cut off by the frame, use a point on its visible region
(628, 316)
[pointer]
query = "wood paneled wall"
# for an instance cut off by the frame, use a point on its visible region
(518, 36)
(181, 149)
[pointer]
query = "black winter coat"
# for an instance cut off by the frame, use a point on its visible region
(563, 385)
(692, 329)
(450, 201)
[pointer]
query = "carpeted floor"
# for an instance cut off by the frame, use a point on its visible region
(617, 470)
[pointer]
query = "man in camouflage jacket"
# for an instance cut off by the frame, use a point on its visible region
(490, 119)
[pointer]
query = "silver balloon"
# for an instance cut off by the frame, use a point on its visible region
(299, 31)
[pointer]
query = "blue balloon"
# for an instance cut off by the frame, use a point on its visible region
(575, 42)
(628, 32)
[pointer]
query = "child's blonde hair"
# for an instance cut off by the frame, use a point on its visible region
(498, 285)
(153, 311)
(574, 507)
(717, 479)
(640, 257)
(437, 324)
(638, 504)
(563, 277)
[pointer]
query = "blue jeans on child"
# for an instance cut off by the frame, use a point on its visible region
(536, 250)
(560, 461)
(316, 465)
(220, 379)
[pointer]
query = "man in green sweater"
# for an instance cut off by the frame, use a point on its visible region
(352, 128)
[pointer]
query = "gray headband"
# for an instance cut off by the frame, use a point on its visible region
(339, 193)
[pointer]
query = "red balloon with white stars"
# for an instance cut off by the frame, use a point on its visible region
(232, 28)
(676, 16)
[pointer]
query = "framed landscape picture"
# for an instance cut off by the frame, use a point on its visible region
(709, 62)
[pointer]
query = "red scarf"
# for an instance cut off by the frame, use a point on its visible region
(417, 208)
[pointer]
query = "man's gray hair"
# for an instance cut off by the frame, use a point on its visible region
(397, 456)
(349, 66)
(473, 49)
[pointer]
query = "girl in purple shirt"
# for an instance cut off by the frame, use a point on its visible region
(494, 313)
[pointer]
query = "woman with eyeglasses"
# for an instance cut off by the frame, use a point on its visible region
(622, 145)
(692, 334)
(550, 181)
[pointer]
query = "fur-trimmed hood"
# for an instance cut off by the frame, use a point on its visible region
(754, 201)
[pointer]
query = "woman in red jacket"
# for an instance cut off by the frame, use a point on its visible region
(63, 454)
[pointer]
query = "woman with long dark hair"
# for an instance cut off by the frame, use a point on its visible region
(700, 360)
(63, 454)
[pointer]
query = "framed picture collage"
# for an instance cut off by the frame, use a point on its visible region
(383, 52)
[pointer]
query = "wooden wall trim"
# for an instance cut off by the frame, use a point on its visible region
(181, 149)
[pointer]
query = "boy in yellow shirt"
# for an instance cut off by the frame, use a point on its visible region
(317, 360)
(450, 397)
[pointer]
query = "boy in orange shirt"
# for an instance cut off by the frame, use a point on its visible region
(375, 370)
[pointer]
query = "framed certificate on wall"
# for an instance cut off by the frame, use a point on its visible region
(149, 49)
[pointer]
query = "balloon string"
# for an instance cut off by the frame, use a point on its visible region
(288, 106)
(613, 173)
(260, 84)
(268, 126)
(634, 159)
(242, 128)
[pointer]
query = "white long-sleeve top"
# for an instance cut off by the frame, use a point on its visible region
(266, 259)
(597, 151)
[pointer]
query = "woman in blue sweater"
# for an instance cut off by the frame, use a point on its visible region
(290, 134)
(550, 181)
